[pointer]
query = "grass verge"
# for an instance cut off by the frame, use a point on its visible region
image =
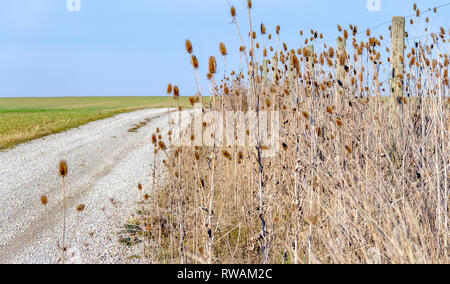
(25, 119)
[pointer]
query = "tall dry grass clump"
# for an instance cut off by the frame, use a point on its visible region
(358, 177)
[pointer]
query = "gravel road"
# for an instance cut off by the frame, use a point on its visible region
(105, 162)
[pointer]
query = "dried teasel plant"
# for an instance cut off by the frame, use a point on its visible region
(44, 200)
(212, 65)
(63, 170)
(249, 4)
(223, 49)
(80, 208)
(176, 92)
(233, 11)
(339, 137)
(194, 62)
(188, 46)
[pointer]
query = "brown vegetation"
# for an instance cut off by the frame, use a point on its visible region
(359, 177)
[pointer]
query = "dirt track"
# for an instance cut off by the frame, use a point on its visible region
(106, 162)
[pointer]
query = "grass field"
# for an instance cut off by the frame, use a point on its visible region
(24, 119)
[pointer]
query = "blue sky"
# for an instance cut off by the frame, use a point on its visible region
(135, 48)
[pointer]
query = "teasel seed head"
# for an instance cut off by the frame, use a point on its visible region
(62, 168)
(194, 62)
(223, 49)
(226, 154)
(263, 29)
(349, 149)
(81, 207)
(240, 157)
(176, 92)
(249, 4)
(139, 186)
(233, 11)
(345, 34)
(212, 64)
(188, 46)
(169, 89)
(278, 30)
(329, 110)
(197, 156)
(44, 200)
(162, 145)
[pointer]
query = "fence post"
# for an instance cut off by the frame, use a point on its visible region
(274, 67)
(291, 78)
(264, 73)
(310, 58)
(397, 56)
(341, 51)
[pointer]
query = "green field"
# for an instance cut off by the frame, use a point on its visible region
(24, 119)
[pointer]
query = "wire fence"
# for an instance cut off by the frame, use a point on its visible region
(377, 26)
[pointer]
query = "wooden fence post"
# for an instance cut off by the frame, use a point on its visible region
(291, 78)
(265, 73)
(274, 67)
(341, 51)
(397, 56)
(310, 58)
